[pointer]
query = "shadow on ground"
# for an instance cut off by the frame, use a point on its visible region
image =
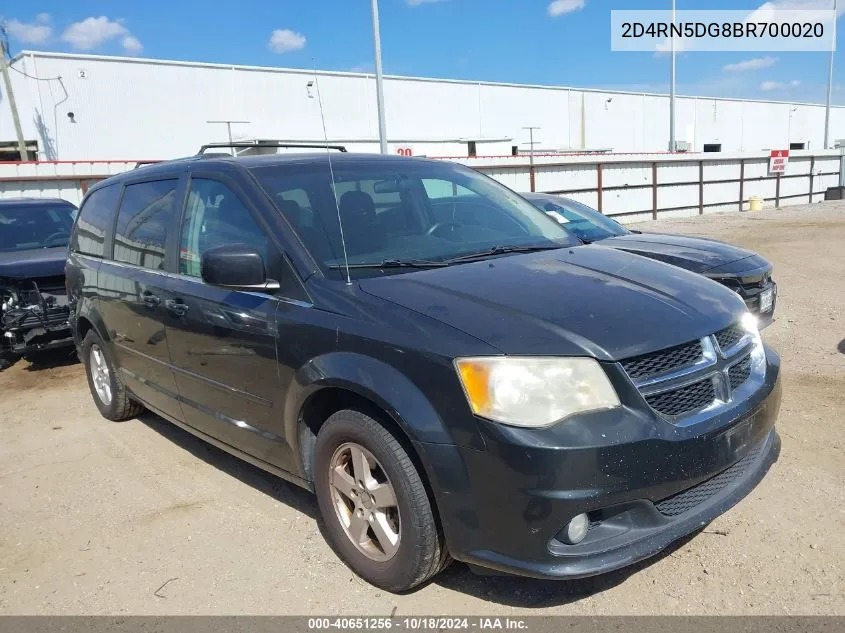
(62, 357)
(508, 590)
(252, 476)
(841, 346)
(40, 361)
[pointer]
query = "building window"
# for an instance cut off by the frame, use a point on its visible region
(471, 150)
(514, 150)
(712, 147)
(797, 146)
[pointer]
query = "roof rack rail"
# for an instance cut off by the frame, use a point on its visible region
(143, 163)
(248, 145)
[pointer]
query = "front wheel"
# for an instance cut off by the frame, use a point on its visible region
(374, 505)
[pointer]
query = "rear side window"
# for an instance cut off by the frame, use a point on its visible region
(142, 222)
(96, 214)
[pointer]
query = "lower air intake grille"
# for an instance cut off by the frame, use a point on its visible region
(692, 497)
(663, 361)
(683, 399)
(740, 372)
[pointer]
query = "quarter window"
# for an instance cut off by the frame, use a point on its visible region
(96, 215)
(142, 222)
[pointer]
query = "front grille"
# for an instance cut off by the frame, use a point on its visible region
(740, 372)
(730, 336)
(663, 361)
(683, 399)
(695, 496)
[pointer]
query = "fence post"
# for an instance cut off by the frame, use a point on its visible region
(531, 174)
(701, 187)
(741, 183)
(812, 168)
(599, 172)
(654, 190)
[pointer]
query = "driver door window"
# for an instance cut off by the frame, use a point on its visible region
(215, 216)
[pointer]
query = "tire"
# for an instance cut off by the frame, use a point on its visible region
(120, 405)
(420, 552)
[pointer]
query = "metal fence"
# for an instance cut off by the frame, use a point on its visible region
(630, 187)
(640, 187)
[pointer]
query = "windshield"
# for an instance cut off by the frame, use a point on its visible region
(420, 212)
(585, 222)
(29, 226)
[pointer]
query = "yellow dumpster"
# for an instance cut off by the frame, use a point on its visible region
(755, 203)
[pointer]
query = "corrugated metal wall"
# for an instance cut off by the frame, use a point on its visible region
(127, 108)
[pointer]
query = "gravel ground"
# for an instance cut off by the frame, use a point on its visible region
(139, 517)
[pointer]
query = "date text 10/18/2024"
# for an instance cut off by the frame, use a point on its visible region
(417, 624)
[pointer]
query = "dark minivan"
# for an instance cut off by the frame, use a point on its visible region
(452, 373)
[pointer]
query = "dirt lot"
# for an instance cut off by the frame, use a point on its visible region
(140, 517)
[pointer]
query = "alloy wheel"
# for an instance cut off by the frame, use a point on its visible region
(365, 501)
(100, 374)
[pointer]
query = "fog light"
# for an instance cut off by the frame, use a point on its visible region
(576, 530)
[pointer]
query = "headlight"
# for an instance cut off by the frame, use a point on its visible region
(534, 392)
(749, 323)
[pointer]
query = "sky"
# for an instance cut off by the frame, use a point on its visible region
(550, 42)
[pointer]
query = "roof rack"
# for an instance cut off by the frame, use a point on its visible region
(143, 163)
(248, 145)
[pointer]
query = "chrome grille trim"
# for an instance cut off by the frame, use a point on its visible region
(715, 365)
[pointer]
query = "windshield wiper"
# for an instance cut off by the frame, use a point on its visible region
(392, 263)
(501, 250)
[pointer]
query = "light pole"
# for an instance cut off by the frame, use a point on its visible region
(382, 128)
(672, 87)
(830, 83)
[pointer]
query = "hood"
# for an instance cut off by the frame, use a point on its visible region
(697, 254)
(37, 262)
(586, 300)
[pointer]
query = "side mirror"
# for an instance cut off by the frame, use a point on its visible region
(236, 266)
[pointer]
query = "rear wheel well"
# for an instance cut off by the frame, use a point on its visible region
(320, 407)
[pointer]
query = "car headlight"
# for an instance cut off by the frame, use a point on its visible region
(750, 324)
(534, 392)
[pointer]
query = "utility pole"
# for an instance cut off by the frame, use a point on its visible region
(10, 94)
(830, 83)
(382, 128)
(672, 143)
(531, 129)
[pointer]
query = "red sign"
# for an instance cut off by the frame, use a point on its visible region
(404, 151)
(778, 160)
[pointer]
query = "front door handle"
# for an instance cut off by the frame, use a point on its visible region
(150, 300)
(176, 307)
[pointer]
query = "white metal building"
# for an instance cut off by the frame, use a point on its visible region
(108, 108)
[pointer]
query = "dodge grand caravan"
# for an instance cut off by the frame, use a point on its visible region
(452, 373)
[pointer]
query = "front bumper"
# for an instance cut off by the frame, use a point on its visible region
(36, 333)
(644, 483)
